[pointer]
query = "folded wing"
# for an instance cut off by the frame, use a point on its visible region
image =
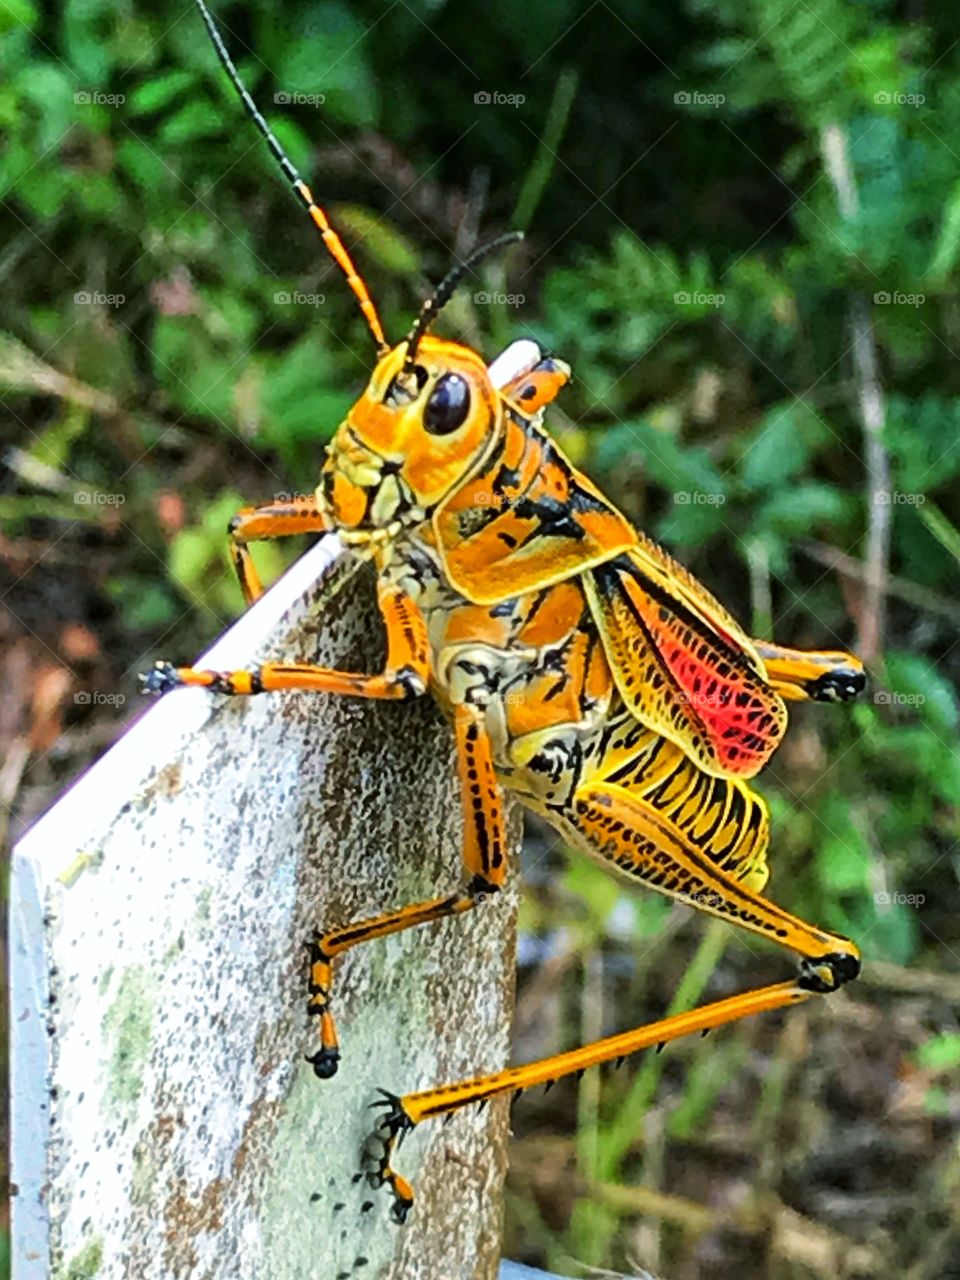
(682, 664)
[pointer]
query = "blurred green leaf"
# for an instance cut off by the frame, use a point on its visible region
(940, 1053)
(381, 241)
(341, 76)
(916, 682)
(592, 886)
(194, 120)
(776, 450)
(946, 533)
(159, 92)
(805, 510)
(17, 13)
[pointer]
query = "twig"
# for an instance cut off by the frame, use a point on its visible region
(914, 982)
(899, 588)
(684, 1213)
(872, 413)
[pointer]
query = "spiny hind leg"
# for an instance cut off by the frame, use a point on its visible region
(799, 675)
(641, 841)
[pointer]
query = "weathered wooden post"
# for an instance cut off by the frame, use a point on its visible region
(165, 1123)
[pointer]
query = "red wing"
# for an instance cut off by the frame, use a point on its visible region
(683, 665)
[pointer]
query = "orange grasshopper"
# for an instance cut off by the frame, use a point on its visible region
(581, 667)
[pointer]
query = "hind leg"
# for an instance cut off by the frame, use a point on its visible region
(638, 838)
(799, 675)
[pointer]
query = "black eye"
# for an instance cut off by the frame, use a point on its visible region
(448, 405)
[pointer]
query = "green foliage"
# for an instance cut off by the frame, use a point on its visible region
(171, 326)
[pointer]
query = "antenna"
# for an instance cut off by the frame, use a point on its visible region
(445, 289)
(334, 245)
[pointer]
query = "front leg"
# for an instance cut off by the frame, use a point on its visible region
(278, 519)
(406, 675)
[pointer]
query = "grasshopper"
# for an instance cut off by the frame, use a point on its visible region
(581, 667)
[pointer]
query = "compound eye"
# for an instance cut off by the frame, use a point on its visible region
(448, 405)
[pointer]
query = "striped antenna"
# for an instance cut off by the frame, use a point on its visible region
(444, 292)
(334, 245)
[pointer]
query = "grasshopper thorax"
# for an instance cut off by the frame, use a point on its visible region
(411, 439)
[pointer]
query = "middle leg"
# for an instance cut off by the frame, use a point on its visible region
(484, 863)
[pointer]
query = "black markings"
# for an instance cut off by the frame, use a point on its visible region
(506, 478)
(609, 578)
(552, 518)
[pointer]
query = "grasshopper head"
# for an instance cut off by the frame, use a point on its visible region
(411, 438)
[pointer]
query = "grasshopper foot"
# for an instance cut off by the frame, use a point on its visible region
(160, 679)
(378, 1149)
